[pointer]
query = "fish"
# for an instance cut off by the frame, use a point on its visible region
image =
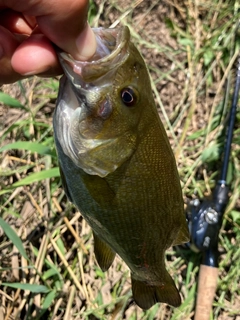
(117, 165)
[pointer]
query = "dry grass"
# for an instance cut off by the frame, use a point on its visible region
(190, 48)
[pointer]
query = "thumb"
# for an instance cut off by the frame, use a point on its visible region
(70, 30)
(63, 22)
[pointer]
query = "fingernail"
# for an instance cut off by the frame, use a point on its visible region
(86, 44)
(43, 69)
(22, 27)
(30, 73)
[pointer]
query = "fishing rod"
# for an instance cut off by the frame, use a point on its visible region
(205, 221)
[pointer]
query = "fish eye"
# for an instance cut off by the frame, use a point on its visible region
(128, 96)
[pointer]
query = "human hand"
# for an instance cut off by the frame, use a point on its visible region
(28, 28)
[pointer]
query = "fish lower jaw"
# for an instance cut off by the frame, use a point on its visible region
(111, 52)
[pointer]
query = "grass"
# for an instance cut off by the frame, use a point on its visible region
(48, 269)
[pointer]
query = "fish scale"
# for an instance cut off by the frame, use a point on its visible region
(117, 165)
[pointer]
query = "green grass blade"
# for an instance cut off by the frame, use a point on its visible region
(37, 176)
(35, 288)
(47, 303)
(30, 146)
(11, 234)
(9, 101)
(34, 177)
(49, 273)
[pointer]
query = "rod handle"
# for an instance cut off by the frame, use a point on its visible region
(207, 285)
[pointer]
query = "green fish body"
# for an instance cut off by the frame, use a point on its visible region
(117, 165)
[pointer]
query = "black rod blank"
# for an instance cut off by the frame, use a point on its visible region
(230, 127)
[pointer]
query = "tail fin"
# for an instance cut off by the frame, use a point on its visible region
(146, 295)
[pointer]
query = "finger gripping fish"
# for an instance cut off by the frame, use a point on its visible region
(117, 165)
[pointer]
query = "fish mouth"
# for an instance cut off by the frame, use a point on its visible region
(80, 92)
(89, 78)
(111, 52)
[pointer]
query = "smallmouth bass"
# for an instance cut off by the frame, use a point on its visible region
(117, 165)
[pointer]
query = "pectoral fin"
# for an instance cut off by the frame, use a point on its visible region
(99, 189)
(104, 254)
(146, 295)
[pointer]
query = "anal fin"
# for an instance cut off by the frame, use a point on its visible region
(146, 295)
(182, 236)
(104, 254)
